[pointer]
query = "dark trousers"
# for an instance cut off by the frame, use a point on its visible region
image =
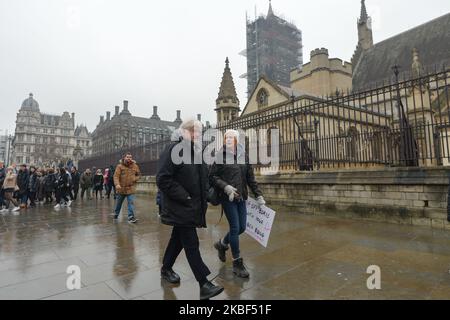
(74, 193)
(32, 197)
(88, 192)
(2, 196)
(23, 196)
(48, 196)
(97, 190)
(186, 238)
(110, 188)
(61, 194)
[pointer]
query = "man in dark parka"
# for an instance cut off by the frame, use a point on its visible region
(184, 188)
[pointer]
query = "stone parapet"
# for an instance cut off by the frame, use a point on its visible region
(414, 196)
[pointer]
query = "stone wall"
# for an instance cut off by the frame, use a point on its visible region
(414, 196)
(147, 185)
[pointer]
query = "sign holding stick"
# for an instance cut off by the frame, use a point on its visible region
(259, 221)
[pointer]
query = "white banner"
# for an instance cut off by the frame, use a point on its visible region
(259, 221)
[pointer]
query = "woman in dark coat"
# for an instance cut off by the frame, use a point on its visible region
(98, 183)
(33, 184)
(40, 190)
(49, 185)
(230, 175)
(184, 189)
(23, 179)
(62, 189)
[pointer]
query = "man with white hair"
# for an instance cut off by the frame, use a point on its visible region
(183, 183)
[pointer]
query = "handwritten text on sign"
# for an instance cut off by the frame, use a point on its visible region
(259, 221)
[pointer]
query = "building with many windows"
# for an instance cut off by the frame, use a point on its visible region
(5, 144)
(124, 130)
(47, 140)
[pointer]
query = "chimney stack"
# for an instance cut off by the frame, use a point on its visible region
(155, 113)
(199, 117)
(125, 105)
(108, 115)
(117, 110)
(178, 120)
(102, 118)
(73, 115)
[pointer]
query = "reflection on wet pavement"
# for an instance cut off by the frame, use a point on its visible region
(307, 258)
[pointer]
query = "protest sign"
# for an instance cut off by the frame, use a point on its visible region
(259, 221)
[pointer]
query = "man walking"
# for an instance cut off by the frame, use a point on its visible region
(126, 175)
(184, 188)
(86, 184)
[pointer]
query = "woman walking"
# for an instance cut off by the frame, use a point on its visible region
(9, 187)
(33, 184)
(111, 186)
(40, 189)
(106, 180)
(62, 189)
(49, 185)
(98, 183)
(231, 174)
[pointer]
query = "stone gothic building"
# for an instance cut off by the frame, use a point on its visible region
(373, 62)
(48, 140)
(227, 103)
(328, 117)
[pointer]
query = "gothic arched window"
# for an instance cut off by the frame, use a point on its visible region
(262, 98)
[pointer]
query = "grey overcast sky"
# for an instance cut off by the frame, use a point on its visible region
(86, 56)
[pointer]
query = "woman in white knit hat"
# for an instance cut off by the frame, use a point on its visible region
(231, 174)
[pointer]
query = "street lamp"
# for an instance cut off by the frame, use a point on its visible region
(9, 149)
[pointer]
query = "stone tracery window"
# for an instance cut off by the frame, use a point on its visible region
(262, 98)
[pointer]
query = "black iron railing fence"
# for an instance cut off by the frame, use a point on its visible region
(402, 123)
(146, 155)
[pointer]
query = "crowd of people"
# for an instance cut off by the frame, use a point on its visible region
(25, 187)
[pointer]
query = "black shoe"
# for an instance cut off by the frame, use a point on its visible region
(221, 249)
(170, 276)
(132, 220)
(208, 290)
(239, 268)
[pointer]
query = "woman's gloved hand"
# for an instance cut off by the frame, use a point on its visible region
(231, 192)
(261, 201)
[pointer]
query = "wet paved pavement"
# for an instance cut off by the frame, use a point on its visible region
(307, 257)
